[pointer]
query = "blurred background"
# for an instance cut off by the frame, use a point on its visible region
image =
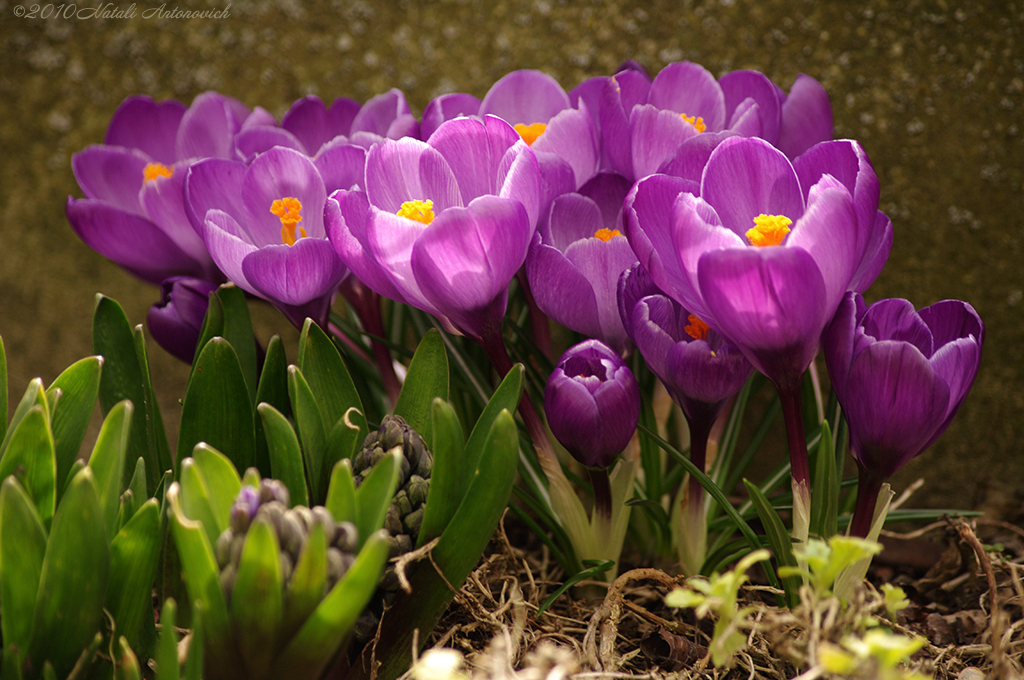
(932, 89)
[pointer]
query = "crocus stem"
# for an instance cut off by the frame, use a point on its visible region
(692, 537)
(602, 494)
(538, 319)
(345, 340)
(366, 304)
(800, 471)
(868, 487)
(700, 430)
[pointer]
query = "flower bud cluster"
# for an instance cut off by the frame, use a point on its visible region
(292, 526)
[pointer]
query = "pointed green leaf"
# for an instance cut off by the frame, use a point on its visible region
(285, 453)
(73, 582)
(238, 331)
(156, 437)
(202, 578)
(310, 426)
(213, 326)
(80, 386)
(825, 491)
(34, 396)
(256, 599)
(134, 556)
(778, 539)
(30, 457)
(195, 500)
(76, 467)
(506, 397)
(137, 486)
(273, 390)
(222, 482)
(426, 380)
(167, 644)
(126, 663)
(194, 662)
(345, 438)
(317, 641)
(341, 494)
(328, 378)
(107, 460)
(217, 408)
(308, 584)
(375, 493)
(22, 548)
(449, 477)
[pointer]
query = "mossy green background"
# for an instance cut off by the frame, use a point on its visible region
(933, 90)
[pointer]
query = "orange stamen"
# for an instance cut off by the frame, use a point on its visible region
(421, 211)
(152, 171)
(530, 133)
(696, 329)
(695, 121)
(769, 230)
(607, 234)
(287, 209)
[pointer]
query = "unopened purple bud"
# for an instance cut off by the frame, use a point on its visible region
(593, 403)
(176, 320)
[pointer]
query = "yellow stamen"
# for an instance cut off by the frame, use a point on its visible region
(607, 234)
(530, 133)
(696, 329)
(695, 121)
(152, 171)
(287, 209)
(421, 211)
(769, 230)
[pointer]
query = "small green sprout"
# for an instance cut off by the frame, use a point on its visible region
(878, 654)
(895, 599)
(719, 595)
(821, 563)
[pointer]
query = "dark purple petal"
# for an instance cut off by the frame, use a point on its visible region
(141, 123)
(214, 184)
(572, 217)
(876, 254)
(690, 89)
(770, 302)
(806, 117)
(525, 97)
(956, 364)
(608, 190)
(308, 122)
(112, 174)
(952, 320)
(633, 285)
(407, 169)
(746, 177)
(705, 376)
(561, 291)
(602, 263)
(379, 113)
(175, 321)
(740, 85)
(447, 107)
(837, 341)
(896, 319)
(259, 138)
(277, 174)
(341, 166)
(209, 126)
(131, 241)
(690, 157)
(294, 275)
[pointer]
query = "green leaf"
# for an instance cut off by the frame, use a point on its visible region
(107, 460)
(329, 379)
(256, 600)
(341, 494)
(778, 540)
(22, 548)
(374, 495)
(273, 390)
(594, 569)
(79, 385)
(194, 662)
(195, 500)
(825, 492)
(30, 457)
(308, 584)
(3, 390)
(284, 452)
(137, 486)
(310, 426)
(125, 375)
(450, 475)
(134, 556)
(505, 398)
(316, 642)
(217, 408)
(427, 379)
(345, 438)
(222, 482)
(167, 644)
(202, 579)
(238, 331)
(34, 396)
(73, 582)
(126, 663)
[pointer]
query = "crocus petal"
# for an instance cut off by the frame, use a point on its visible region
(690, 157)
(655, 134)
(306, 120)
(950, 320)
(876, 254)
(901, 403)
(112, 174)
(341, 166)
(141, 123)
(688, 88)
(447, 107)
(294, 275)
(276, 174)
(572, 135)
(214, 184)
(740, 85)
(561, 291)
(229, 245)
(378, 113)
(209, 126)
(806, 117)
(407, 169)
(259, 138)
(746, 177)
(706, 376)
(345, 219)
(390, 240)
(770, 302)
(896, 319)
(837, 340)
(164, 202)
(525, 97)
(466, 258)
(474, 150)
(131, 241)
(175, 321)
(608, 191)
(601, 263)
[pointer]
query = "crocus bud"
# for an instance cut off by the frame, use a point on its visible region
(593, 403)
(176, 320)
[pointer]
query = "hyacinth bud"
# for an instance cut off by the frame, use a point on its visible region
(292, 526)
(593, 403)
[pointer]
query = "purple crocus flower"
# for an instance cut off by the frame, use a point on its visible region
(593, 403)
(577, 257)
(133, 212)
(671, 124)
(177, 319)
(445, 224)
(900, 376)
(264, 227)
